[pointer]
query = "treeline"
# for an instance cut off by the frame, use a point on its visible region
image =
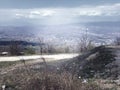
(12, 48)
(6, 43)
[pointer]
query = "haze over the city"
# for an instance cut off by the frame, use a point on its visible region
(60, 19)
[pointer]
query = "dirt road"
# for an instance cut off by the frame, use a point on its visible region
(33, 57)
(34, 60)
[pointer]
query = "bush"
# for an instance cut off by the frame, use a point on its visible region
(29, 51)
(97, 66)
(54, 81)
(97, 63)
(39, 81)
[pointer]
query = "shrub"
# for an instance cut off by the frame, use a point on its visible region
(29, 50)
(97, 66)
(62, 81)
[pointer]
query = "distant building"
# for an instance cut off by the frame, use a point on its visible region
(4, 53)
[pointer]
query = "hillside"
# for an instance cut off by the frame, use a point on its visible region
(103, 61)
(61, 74)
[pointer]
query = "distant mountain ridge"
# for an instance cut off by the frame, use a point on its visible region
(24, 43)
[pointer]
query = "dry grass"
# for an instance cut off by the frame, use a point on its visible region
(22, 80)
(27, 78)
(62, 81)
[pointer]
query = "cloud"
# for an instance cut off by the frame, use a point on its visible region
(102, 10)
(64, 15)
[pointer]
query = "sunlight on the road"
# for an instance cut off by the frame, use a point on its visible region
(52, 57)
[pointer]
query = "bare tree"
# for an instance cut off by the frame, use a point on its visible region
(117, 41)
(85, 43)
(41, 44)
(15, 48)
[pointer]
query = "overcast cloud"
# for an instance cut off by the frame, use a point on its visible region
(52, 12)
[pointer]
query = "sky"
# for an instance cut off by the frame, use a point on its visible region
(57, 12)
